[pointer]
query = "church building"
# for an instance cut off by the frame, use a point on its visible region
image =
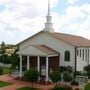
(48, 50)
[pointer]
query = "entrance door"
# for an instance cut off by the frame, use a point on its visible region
(43, 66)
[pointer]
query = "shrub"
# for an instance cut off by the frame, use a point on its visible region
(55, 76)
(87, 69)
(32, 75)
(78, 73)
(87, 86)
(1, 70)
(67, 77)
(69, 69)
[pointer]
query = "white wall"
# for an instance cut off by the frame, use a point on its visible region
(55, 44)
(81, 63)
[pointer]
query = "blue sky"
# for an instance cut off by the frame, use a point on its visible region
(20, 19)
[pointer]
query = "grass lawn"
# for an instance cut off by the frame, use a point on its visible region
(3, 84)
(27, 88)
(87, 86)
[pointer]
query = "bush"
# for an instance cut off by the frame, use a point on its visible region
(1, 70)
(32, 75)
(55, 76)
(67, 77)
(87, 69)
(87, 86)
(78, 73)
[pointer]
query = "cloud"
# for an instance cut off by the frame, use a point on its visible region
(75, 20)
(23, 16)
(72, 1)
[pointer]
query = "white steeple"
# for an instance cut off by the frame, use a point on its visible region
(48, 24)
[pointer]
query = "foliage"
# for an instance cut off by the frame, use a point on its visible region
(65, 87)
(62, 69)
(67, 77)
(69, 69)
(32, 75)
(87, 86)
(14, 60)
(65, 68)
(55, 76)
(1, 70)
(3, 84)
(6, 70)
(87, 69)
(2, 48)
(78, 73)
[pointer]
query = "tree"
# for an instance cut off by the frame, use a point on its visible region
(32, 75)
(55, 76)
(2, 52)
(14, 58)
(62, 69)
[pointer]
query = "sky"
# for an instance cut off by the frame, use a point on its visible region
(20, 19)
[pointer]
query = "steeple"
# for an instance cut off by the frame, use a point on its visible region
(48, 24)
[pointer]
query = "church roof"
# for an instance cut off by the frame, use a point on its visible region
(45, 49)
(72, 39)
(67, 38)
(36, 50)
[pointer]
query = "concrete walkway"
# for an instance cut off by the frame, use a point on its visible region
(17, 84)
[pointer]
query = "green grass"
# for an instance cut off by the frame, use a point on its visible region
(87, 86)
(27, 88)
(3, 84)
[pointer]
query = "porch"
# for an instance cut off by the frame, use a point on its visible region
(40, 57)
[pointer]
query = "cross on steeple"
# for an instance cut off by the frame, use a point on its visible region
(48, 24)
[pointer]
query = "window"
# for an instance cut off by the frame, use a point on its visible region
(67, 56)
(86, 53)
(77, 52)
(80, 52)
(83, 54)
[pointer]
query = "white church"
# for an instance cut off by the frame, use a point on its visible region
(47, 50)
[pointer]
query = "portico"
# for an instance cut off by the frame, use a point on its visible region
(40, 57)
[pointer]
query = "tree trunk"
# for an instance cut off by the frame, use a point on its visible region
(32, 84)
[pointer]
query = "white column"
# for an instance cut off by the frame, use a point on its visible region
(28, 64)
(47, 69)
(38, 63)
(89, 55)
(38, 66)
(20, 66)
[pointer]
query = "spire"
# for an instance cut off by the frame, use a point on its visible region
(48, 24)
(48, 7)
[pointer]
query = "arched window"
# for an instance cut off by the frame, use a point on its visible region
(67, 56)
